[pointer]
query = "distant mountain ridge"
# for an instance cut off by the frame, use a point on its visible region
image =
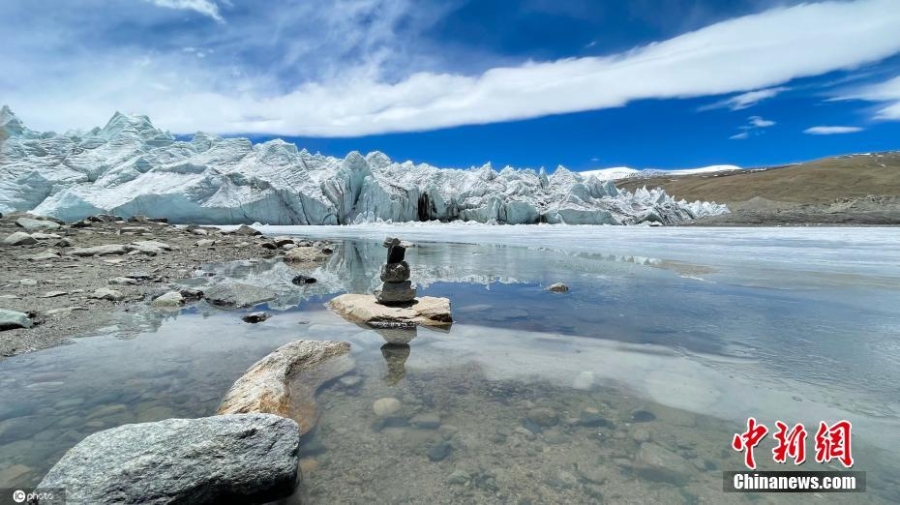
(130, 167)
(618, 173)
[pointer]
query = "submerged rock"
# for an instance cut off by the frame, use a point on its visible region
(223, 459)
(237, 295)
(385, 407)
(300, 280)
(11, 319)
(255, 317)
(558, 288)
(658, 463)
(285, 382)
(425, 311)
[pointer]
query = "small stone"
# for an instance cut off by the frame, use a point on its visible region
(308, 465)
(440, 451)
(458, 477)
(49, 254)
(300, 280)
(19, 238)
(657, 463)
(45, 236)
(64, 242)
(53, 294)
(268, 245)
(448, 431)
(28, 282)
(350, 381)
(643, 416)
(107, 294)
(558, 288)
(384, 407)
(543, 416)
(396, 254)
(303, 255)
(395, 272)
(396, 292)
(246, 231)
(255, 317)
(139, 276)
(640, 435)
(205, 243)
(525, 432)
(168, 300)
(122, 281)
(426, 421)
(592, 419)
(283, 241)
(288, 247)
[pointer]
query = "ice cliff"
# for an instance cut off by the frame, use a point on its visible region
(129, 167)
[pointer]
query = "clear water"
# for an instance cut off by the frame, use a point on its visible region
(666, 337)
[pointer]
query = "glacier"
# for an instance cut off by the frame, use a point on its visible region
(129, 167)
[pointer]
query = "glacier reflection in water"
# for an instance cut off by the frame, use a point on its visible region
(668, 341)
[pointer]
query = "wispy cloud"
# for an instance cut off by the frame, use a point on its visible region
(205, 7)
(746, 100)
(358, 72)
(887, 92)
(832, 130)
(754, 123)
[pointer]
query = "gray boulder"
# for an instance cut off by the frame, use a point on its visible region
(31, 224)
(250, 458)
(19, 238)
(11, 319)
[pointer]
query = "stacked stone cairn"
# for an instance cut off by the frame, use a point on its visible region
(396, 288)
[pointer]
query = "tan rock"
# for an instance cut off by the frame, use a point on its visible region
(425, 311)
(304, 255)
(285, 382)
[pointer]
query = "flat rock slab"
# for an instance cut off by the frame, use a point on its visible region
(285, 382)
(249, 458)
(100, 250)
(304, 255)
(424, 311)
(237, 295)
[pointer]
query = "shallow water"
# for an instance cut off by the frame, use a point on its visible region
(531, 397)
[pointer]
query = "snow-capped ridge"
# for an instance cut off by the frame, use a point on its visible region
(618, 173)
(130, 167)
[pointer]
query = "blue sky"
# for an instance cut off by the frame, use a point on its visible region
(530, 83)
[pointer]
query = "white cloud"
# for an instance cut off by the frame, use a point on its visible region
(205, 7)
(746, 100)
(754, 123)
(353, 96)
(887, 91)
(832, 130)
(758, 122)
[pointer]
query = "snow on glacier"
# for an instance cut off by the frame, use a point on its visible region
(129, 167)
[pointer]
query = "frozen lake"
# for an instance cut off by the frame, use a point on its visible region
(668, 340)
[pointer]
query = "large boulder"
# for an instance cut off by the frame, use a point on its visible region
(285, 382)
(424, 311)
(31, 224)
(11, 319)
(19, 238)
(223, 459)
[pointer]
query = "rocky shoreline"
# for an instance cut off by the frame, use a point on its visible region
(63, 280)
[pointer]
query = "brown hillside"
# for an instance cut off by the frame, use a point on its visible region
(816, 182)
